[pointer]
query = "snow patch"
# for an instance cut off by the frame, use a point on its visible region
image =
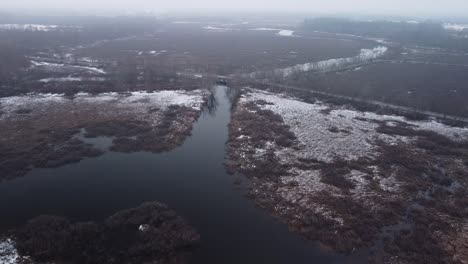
(217, 28)
(266, 29)
(455, 27)
(72, 79)
(143, 228)
(363, 56)
(28, 27)
(59, 65)
(286, 33)
(8, 252)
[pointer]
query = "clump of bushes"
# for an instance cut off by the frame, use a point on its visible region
(149, 233)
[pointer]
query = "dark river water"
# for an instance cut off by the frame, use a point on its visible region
(190, 179)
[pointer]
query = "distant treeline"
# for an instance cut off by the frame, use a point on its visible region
(424, 33)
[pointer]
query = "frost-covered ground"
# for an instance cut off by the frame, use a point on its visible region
(348, 171)
(312, 127)
(326, 134)
(127, 102)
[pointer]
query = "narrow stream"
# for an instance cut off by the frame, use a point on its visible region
(190, 179)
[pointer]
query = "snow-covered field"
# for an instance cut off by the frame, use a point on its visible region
(326, 134)
(358, 132)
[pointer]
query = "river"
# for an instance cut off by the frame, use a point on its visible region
(191, 179)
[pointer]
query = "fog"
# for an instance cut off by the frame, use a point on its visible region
(310, 6)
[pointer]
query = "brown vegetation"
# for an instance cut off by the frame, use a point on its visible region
(150, 233)
(408, 222)
(52, 139)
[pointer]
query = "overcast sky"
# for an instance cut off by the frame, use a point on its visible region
(313, 6)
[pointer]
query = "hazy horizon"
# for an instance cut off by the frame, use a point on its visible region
(388, 7)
